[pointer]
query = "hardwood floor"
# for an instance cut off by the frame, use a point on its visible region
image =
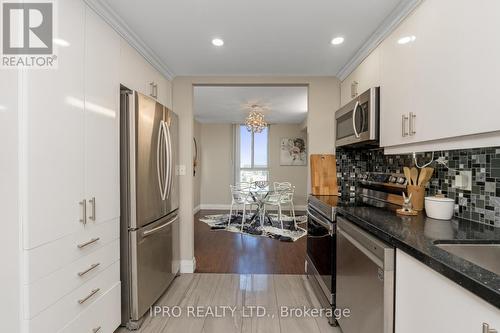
(228, 252)
(240, 292)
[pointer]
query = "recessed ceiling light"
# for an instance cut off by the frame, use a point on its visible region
(406, 40)
(337, 40)
(217, 42)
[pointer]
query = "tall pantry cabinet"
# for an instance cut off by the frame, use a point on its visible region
(69, 169)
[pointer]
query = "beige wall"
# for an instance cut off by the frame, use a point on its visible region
(217, 170)
(197, 176)
(217, 164)
(324, 99)
(297, 175)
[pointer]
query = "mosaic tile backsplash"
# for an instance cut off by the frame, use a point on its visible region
(482, 204)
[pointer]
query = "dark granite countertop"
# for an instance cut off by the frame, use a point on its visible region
(418, 236)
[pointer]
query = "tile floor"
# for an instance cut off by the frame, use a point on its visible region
(240, 291)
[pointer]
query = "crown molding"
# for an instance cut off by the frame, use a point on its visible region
(119, 25)
(402, 10)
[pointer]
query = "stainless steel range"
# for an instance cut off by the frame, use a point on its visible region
(320, 258)
(371, 189)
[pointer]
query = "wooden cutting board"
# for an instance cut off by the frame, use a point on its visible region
(324, 174)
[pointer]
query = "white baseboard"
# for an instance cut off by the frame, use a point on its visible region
(227, 207)
(196, 209)
(188, 266)
(215, 206)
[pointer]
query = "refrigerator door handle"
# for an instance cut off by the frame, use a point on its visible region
(165, 155)
(170, 160)
(154, 230)
(159, 164)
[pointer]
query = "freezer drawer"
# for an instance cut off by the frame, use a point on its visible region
(151, 250)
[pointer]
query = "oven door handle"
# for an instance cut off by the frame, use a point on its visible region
(326, 225)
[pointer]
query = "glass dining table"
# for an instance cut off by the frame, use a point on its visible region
(259, 197)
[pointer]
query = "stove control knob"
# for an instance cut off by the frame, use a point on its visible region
(401, 180)
(392, 179)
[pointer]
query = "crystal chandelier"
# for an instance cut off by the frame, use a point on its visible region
(255, 122)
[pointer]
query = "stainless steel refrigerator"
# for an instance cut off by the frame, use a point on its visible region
(149, 203)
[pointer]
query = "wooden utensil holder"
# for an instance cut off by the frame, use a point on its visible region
(417, 196)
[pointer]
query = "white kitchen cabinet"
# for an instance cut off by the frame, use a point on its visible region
(102, 316)
(9, 169)
(445, 75)
(364, 77)
(130, 66)
(69, 154)
(137, 74)
(73, 304)
(52, 131)
(102, 123)
(427, 301)
(164, 91)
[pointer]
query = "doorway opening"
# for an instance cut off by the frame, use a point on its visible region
(232, 149)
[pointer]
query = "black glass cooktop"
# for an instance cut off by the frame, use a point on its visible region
(329, 203)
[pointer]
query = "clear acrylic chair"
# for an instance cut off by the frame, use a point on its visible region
(283, 186)
(240, 196)
(274, 199)
(287, 200)
(286, 191)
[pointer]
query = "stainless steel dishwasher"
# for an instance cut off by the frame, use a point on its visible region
(365, 280)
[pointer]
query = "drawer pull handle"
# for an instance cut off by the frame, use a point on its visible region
(89, 269)
(92, 293)
(93, 240)
(97, 329)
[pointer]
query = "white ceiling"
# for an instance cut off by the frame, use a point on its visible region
(225, 104)
(262, 37)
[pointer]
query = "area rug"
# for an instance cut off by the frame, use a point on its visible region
(271, 227)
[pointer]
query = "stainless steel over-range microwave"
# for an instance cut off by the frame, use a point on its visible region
(357, 123)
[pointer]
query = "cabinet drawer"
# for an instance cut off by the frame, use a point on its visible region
(72, 305)
(101, 317)
(48, 290)
(48, 258)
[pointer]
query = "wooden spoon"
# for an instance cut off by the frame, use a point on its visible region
(428, 176)
(414, 175)
(407, 172)
(422, 176)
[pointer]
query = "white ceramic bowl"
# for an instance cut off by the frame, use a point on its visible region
(439, 208)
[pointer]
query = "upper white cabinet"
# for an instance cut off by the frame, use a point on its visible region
(364, 77)
(102, 123)
(52, 152)
(439, 73)
(426, 301)
(137, 74)
(164, 90)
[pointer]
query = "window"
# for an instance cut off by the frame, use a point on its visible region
(252, 155)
